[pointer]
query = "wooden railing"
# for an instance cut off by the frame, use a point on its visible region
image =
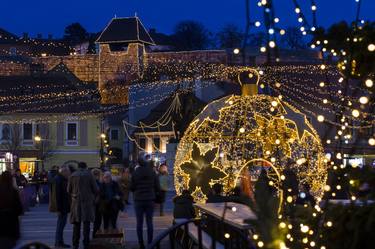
(192, 234)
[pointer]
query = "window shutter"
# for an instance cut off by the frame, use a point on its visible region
(60, 134)
(83, 138)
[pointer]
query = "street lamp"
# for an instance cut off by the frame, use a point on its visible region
(37, 138)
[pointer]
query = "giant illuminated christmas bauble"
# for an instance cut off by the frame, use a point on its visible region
(254, 130)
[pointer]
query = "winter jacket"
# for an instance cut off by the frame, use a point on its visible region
(62, 195)
(164, 182)
(10, 209)
(83, 189)
(107, 198)
(183, 207)
(144, 183)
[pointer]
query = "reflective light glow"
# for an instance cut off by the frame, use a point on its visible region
(355, 113)
(369, 83)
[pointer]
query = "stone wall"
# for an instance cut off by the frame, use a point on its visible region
(85, 67)
(8, 68)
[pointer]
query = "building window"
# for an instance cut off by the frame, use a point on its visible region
(142, 143)
(28, 132)
(114, 134)
(13, 51)
(157, 143)
(5, 132)
(72, 133)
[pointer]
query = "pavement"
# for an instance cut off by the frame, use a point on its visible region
(38, 224)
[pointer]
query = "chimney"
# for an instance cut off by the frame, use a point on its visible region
(39, 36)
(25, 35)
(49, 36)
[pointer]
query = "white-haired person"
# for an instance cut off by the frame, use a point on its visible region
(110, 202)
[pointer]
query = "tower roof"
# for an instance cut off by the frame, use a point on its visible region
(125, 30)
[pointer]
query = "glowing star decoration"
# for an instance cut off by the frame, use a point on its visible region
(200, 170)
(230, 157)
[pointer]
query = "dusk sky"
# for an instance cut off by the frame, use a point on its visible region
(51, 16)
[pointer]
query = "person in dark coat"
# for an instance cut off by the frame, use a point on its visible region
(217, 194)
(10, 210)
(110, 202)
(20, 179)
(83, 189)
(62, 205)
(144, 185)
(183, 206)
(238, 196)
(97, 173)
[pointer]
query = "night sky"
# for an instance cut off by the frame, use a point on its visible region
(51, 16)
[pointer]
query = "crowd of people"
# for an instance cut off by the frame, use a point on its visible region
(88, 196)
(95, 196)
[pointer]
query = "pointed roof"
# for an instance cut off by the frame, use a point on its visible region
(125, 30)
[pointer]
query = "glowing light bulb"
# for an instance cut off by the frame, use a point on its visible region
(313, 7)
(371, 47)
(272, 44)
(271, 31)
(263, 49)
(257, 24)
(289, 199)
(277, 141)
(304, 229)
(274, 103)
(369, 83)
(236, 51)
(355, 113)
(300, 19)
(320, 118)
(297, 10)
(282, 32)
(227, 235)
(328, 141)
(322, 66)
(282, 225)
(371, 141)
(276, 20)
(329, 223)
(301, 161)
(363, 100)
(242, 130)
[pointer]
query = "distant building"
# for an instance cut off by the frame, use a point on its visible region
(65, 131)
(125, 49)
